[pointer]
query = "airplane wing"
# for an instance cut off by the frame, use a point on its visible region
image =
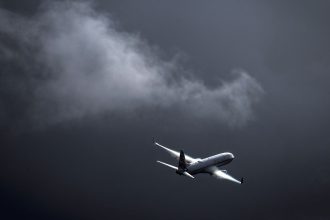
(222, 175)
(176, 154)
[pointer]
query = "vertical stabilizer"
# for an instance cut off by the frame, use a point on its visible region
(182, 162)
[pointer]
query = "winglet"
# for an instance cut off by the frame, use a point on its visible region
(242, 180)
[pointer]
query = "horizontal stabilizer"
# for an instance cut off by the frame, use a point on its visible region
(171, 152)
(168, 165)
(176, 154)
(175, 168)
(188, 174)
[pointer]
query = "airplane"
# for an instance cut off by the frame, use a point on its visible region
(189, 166)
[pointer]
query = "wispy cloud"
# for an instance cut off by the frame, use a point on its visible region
(69, 61)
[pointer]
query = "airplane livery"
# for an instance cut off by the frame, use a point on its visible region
(189, 166)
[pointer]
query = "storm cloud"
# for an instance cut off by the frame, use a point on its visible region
(73, 67)
(74, 62)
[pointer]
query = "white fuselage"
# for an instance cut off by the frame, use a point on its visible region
(201, 165)
(189, 166)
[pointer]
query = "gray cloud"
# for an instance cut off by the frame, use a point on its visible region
(74, 62)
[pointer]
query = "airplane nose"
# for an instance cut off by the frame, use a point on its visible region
(231, 155)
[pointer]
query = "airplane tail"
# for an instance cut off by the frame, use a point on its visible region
(182, 167)
(175, 168)
(182, 161)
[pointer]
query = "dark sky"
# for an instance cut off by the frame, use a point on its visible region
(66, 153)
